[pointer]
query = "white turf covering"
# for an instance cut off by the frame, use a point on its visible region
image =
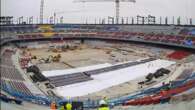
(112, 78)
(74, 70)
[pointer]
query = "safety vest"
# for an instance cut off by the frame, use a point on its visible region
(104, 108)
(62, 108)
(68, 106)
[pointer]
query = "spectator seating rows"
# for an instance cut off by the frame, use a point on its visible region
(6, 61)
(185, 74)
(178, 55)
(7, 68)
(173, 39)
(23, 94)
(174, 36)
(16, 86)
(33, 32)
(10, 73)
(163, 96)
(150, 91)
(12, 81)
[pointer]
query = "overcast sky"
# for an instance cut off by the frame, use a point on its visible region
(78, 12)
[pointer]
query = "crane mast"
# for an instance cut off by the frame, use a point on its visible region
(117, 3)
(41, 11)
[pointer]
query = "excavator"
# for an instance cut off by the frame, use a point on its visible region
(50, 59)
(55, 58)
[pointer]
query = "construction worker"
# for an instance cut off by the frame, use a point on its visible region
(103, 105)
(105, 99)
(53, 106)
(68, 106)
(62, 107)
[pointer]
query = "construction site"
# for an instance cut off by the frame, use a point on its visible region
(97, 55)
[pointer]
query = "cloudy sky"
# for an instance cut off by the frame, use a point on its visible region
(79, 12)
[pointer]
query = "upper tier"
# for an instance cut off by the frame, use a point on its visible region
(172, 35)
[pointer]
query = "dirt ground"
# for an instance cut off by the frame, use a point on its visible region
(83, 55)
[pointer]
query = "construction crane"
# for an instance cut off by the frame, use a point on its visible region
(41, 11)
(117, 5)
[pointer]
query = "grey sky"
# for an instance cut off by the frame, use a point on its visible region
(77, 12)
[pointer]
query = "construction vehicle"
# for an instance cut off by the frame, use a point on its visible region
(50, 59)
(55, 58)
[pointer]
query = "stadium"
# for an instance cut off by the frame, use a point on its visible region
(122, 66)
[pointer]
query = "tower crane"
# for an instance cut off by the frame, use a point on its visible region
(41, 11)
(117, 5)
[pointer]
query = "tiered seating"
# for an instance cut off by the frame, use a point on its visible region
(103, 32)
(8, 53)
(15, 86)
(19, 87)
(164, 95)
(6, 61)
(19, 90)
(10, 73)
(7, 68)
(185, 74)
(178, 55)
(11, 80)
(164, 35)
(5, 58)
(175, 87)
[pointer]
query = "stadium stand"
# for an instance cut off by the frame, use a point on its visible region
(10, 73)
(163, 96)
(13, 83)
(178, 55)
(20, 91)
(7, 68)
(168, 106)
(16, 86)
(161, 34)
(187, 83)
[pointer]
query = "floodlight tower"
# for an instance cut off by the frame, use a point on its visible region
(117, 5)
(41, 11)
